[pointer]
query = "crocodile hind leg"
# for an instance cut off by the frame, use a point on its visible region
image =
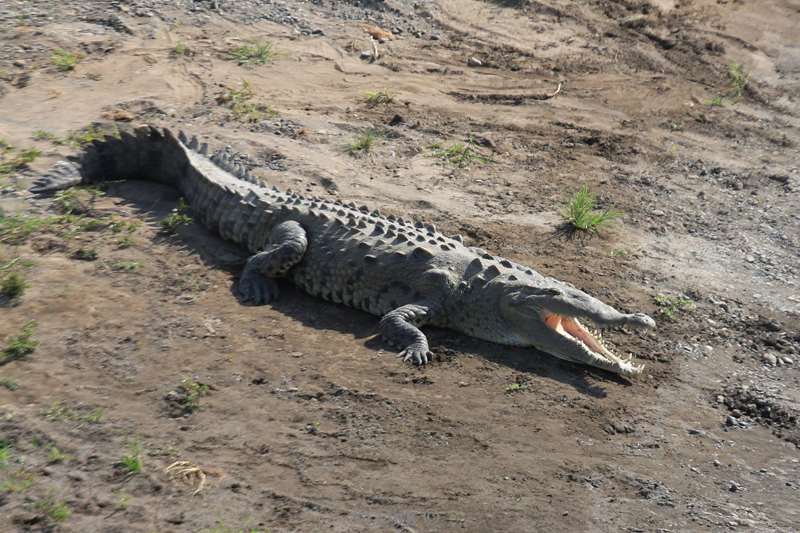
(287, 244)
(400, 327)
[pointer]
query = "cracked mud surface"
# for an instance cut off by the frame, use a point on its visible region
(301, 418)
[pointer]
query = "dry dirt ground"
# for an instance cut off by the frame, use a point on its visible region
(297, 414)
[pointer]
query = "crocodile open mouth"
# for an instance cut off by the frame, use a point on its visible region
(569, 328)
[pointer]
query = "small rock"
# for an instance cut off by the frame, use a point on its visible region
(769, 359)
(708, 350)
(119, 115)
(787, 360)
(731, 421)
(750, 258)
(634, 21)
(474, 62)
(717, 463)
(366, 54)
(19, 63)
(396, 120)
(693, 431)
(434, 37)
(734, 487)
(720, 398)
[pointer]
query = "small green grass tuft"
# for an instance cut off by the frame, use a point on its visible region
(460, 154)
(5, 453)
(132, 461)
(67, 202)
(252, 53)
(514, 387)
(57, 456)
(42, 135)
(122, 503)
(125, 266)
(124, 242)
(193, 390)
(63, 60)
(240, 101)
(58, 412)
(171, 223)
(738, 78)
(57, 511)
(124, 226)
(76, 200)
(178, 217)
(181, 50)
(580, 215)
(85, 254)
(670, 306)
(16, 229)
(29, 155)
(93, 132)
(95, 416)
(363, 143)
(17, 482)
(11, 163)
(376, 98)
(716, 101)
(9, 384)
(12, 286)
(21, 345)
(185, 399)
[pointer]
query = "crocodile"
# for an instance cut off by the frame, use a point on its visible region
(407, 273)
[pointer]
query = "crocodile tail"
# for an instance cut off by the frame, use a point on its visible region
(145, 153)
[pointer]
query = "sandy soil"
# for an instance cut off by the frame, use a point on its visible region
(302, 419)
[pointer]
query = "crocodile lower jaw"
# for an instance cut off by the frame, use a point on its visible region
(589, 340)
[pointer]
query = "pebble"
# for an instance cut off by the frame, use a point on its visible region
(787, 360)
(734, 487)
(731, 421)
(717, 463)
(769, 359)
(474, 62)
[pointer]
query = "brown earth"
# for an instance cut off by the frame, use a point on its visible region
(304, 420)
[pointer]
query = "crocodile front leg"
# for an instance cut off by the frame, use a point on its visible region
(400, 327)
(287, 244)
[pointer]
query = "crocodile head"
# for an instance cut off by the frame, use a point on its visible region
(555, 318)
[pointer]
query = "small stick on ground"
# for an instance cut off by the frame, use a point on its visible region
(549, 96)
(375, 53)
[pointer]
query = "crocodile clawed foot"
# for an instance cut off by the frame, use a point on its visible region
(257, 290)
(419, 354)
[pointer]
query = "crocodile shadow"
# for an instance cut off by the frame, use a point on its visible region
(154, 202)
